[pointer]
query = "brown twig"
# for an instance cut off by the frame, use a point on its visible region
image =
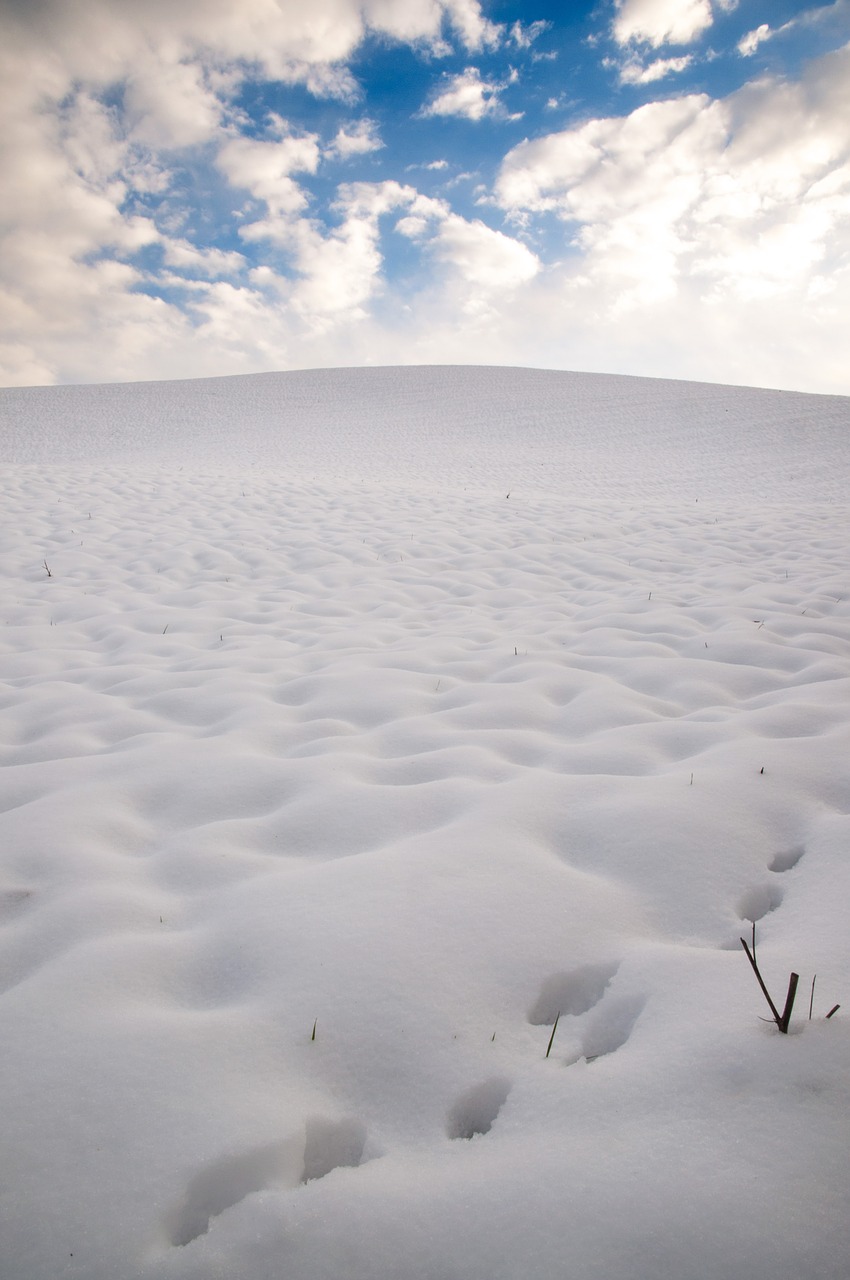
(789, 1002)
(751, 958)
(552, 1037)
(782, 1020)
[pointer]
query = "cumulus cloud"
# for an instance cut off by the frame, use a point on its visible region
(635, 72)
(658, 22)
(123, 130)
(208, 263)
(484, 258)
(265, 168)
(168, 105)
(643, 26)
(468, 96)
(742, 198)
(103, 101)
(330, 273)
(356, 139)
(100, 42)
(338, 271)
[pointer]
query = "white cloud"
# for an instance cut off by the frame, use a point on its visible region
(209, 263)
(658, 22)
(486, 259)
(102, 101)
(101, 42)
(751, 41)
(523, 35)
(339, 272)
(342, 270)
(635, 72)
(476, 31)
(732, 216)
(430, 166)
(357, 139)
(20, 366)
(707, 202)
(605, 166)
(265, 167)
(830, 20)
(335, 273)
(168, 105)
(374, 199)
(468, 96)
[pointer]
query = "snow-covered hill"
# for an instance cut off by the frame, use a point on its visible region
(356, 725)
(590, 434)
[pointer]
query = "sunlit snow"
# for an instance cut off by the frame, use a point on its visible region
(356, 726)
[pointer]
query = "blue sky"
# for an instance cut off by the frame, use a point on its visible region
(658, 187)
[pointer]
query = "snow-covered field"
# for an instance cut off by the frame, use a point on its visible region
(355, 724)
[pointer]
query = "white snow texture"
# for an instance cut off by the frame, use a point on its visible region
(356, 725)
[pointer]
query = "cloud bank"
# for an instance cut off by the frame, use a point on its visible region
(155, 224)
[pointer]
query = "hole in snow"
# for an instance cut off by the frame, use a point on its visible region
(573, 992)
(476, 1111)
(611, 1026)
(332, 1144)
(323, 1146)
(786, 860)
(229, 1180)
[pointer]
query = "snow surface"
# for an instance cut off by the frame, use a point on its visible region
(357, 723)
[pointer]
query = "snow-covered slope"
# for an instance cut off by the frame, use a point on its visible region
(563, 432)
(355, 725)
